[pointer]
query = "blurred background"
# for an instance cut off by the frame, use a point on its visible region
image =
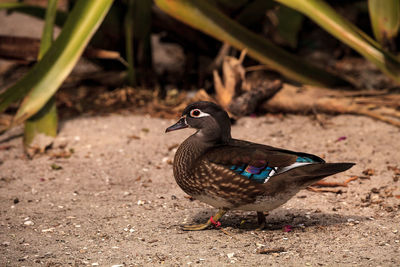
(64, 58)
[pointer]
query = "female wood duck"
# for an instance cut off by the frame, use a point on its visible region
(231, 174)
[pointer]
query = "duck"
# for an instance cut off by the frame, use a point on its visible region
(232, 174)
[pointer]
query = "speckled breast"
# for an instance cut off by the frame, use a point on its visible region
(185, 158)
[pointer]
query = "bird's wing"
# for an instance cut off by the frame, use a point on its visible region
(257, 162)
(239, 172)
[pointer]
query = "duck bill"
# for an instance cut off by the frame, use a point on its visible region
(181, 124)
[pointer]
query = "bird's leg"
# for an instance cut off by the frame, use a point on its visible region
(213, 220)
(261, 220)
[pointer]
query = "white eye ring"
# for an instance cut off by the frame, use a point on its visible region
(197, 113)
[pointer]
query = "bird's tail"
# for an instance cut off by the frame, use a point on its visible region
(306, 175)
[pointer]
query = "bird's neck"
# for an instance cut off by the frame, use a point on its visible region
(195, 146)
(211, 137)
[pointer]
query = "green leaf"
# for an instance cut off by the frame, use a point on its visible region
(385, 21)
(42, 125)
(231, 4)
(129, 49)
(41, 129)
(48, 74)
(205, 17)
(35, 11)
(254, 12)
(289, 25)
(142, 29)
(326, 17)
(48, 30)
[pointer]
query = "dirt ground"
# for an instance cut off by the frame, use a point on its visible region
(114, 201)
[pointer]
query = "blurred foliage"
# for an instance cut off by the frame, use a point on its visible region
(44, 123)
(385, 20)
(33, 10)
(326, 17)
(289, 25)
(205, 17)
(40, 84)
(267, 29)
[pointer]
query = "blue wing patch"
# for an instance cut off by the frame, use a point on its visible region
(304, 159)
(263, 173)
(257, 174)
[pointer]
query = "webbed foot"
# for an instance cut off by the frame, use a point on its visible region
(214, 220)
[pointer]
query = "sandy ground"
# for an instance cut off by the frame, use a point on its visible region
(115, 201)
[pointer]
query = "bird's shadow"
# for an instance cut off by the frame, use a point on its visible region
(276, 220)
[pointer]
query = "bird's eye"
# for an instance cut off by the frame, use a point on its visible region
(195, 113)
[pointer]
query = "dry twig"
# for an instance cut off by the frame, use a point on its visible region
(271, 250)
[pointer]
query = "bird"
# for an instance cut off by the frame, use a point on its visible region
(232, 174)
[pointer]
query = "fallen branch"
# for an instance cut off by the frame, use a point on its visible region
(378, 105)
(250, 100)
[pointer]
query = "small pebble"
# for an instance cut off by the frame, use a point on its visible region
(29, 223)
(230, 255)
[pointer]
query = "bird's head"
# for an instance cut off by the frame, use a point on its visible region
(210, 120)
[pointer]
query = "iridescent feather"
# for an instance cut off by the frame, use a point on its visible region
(263, 173)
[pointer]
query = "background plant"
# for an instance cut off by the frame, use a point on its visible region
(234, 23)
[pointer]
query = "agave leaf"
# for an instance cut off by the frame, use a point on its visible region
(290, 22)
(205, 17)
(48, 30)
(231, 4)
(129, 49)
(325, 16)
(385, 21)
(142, 29)
(41, 129)
(34, 11)
(254, 12)
(48, 74)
